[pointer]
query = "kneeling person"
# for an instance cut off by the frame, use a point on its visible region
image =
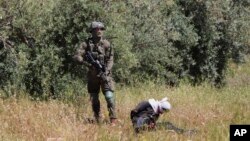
(146, 113)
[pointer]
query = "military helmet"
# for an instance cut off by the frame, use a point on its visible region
(96, 24)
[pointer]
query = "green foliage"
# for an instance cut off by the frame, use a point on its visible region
(238, 29)
(162, 41)
(13, 69)
(117, 26)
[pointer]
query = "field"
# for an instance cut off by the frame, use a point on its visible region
(208, 110)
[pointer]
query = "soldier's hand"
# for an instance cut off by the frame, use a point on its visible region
(103, 76)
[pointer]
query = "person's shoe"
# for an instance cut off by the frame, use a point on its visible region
(98, 120)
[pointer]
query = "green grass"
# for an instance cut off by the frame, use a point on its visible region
(207, 109)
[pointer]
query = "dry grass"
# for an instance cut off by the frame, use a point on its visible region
(204, 108)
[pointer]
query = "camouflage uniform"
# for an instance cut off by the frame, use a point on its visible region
(101, 51)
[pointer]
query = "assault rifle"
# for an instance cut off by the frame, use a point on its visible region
(98, 66)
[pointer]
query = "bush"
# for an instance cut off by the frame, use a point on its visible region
(163, 41)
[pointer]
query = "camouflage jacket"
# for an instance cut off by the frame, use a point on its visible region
(101, 51)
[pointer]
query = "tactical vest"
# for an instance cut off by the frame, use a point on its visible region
(98, 51)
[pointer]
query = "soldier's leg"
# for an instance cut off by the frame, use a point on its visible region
(109, 96)
(107, 89)
(94, 89)
(95, 103)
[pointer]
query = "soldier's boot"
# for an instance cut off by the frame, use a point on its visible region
(96, 106)
(111, 106)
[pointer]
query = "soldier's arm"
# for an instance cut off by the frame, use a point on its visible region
(109, 54)
(110, 62)
(79, 54)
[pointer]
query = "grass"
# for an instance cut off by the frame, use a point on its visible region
(207, 109)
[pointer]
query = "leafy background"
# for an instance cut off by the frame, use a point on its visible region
(166, 42)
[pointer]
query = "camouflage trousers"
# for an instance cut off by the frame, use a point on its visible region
(95, 84)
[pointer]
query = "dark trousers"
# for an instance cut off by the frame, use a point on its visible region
(95, 84)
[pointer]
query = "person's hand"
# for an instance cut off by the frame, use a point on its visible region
(151, 125)
(102, 75)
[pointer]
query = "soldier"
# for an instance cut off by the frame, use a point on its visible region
(102, 52)
(146, 113)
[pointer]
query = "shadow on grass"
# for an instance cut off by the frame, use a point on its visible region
(166, 125)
